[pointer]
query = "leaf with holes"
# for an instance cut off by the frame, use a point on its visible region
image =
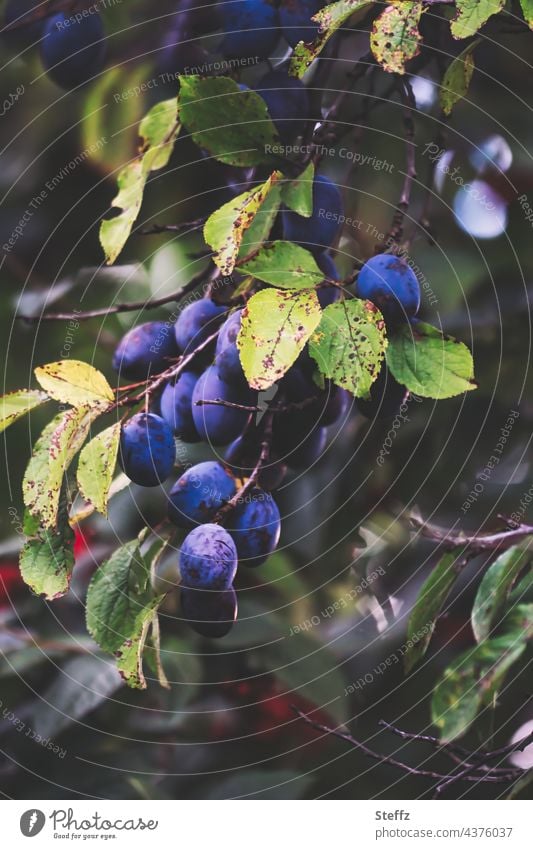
(47, 558)
(349, 345)
(284, 265)
(472, 14)
(76, 383)
(298, 194)
(158, 131)
(495, 588)
(457, 78)
(275, 326)
(96, 467)
(329, 19)
(259, 230)
(395, 36)
(225, 228)
(14, 405)
(429, 363)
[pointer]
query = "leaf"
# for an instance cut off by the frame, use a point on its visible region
(349, 345)
(471, 682)
(259, 230)
(472, 14)
(75, 383)
(457, 78)
(52, 455)
(329, 19)
(225, 228)
(298, 194)
(14, 405)
(153, 653)
(495, 588)
(284, 265)
(395, 36)
(120, 609)
(428, 605)
(429, 363)
(519, 622)
(275, 326)
(47, 558)
(158, 131)
(233, 125)
(527, 9)
(97, 465)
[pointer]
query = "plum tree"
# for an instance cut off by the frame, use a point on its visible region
(241, 457)
(208, 559)
(251, 28)
(330, 294)
(176, 406)
(386, 397)
(227, 357)
(211, 614)
(199, 493)
(287, 101)
(147, 449)
(321, 229)
(255, 527)
(215, 423)
(391, 284)
(73, 49)
(196, 323)
(295, 19)
(144, 350)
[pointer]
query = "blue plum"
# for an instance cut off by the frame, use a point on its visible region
(176, 406)
(211, 614)
(199, 493)
(242, 455)
(145, 350)
(321, 229)
(147, 449)
(73, 51)
(287, 101)
(255, 527)
(308, 450)
(328, 295)
(295, 18)
(227, 358)
(386, 397)
(208, 559)
(217, 424)
(251, 29)
(390, 283)
(196, 323)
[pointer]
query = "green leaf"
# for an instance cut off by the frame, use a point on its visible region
(519, 622)
(495, 588)
(76, 383)
(120, 608)
(158, 131)
(298, 194)
(395, 36)
(233, 125)
(429, 363)
(14, 405)
(329, 19)
(457, 78)
(225, 228)
(259, 230)
(52, 455)
(349, 345)
(275, 326)
(471, 682)
(428, 605)
(472, 14)
(284, 265)
(97, 465)
(47, 558)
(527, 9)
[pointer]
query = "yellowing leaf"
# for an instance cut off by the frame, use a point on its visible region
(527, 9)
(298, 194)
(395, 36)
(457, 78)
(47, 558)
(329, 19)
(14, 405)
(285, 265)
(225, 228)
(76, 383)
(275, 326)
(158, 131)
(96, 466)
(472, 14)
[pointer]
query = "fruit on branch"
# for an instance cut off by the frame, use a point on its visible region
(25, 33)
(287, 101)
(176, 406)
(147, 449)
(391, 284)
(386, 397)
(251, 29)
(227, 358)
(336, 404)
(295, 19)
(196, 323)
(329, 294)
(210, 614)
(242, 455)
(73, 51)
(208, 559)
(302, 453)
(199, 493)
(321, 229)
(215, 423)
(145, 350)
(255, 526)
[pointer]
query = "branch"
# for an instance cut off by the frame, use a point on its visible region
(156, 229)
(476, 543)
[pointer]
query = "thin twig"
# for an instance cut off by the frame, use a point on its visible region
(476, 543)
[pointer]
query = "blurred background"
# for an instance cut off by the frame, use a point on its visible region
(332, 604)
